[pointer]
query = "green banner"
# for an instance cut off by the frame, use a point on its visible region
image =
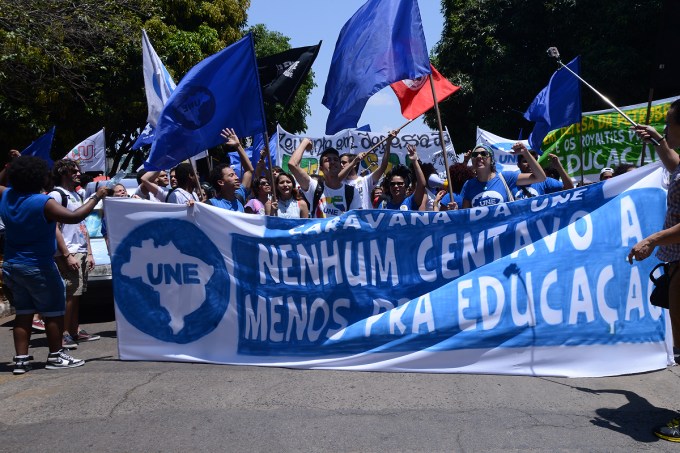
(607, 140)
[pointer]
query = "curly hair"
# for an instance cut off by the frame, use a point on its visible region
(459, 174)
(622, 168)
(29, 174)
(63, 167)
(399, 170)
(257, 183)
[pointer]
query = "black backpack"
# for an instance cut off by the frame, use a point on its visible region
(349, 195)
(167, 195)
(64, 196)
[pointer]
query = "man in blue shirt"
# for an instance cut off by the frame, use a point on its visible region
(550, 185)
(29, 271)
(226, 183)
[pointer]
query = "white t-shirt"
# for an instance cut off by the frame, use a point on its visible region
(160, 196)
(363, 185)
(181, 196)
(75, 235)
(332, 202)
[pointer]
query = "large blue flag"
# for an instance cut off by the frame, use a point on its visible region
(382, 43)
(41, 147)
(221, 91)
(557, 105)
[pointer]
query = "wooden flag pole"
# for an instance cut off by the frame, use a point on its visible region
(269, 158)
(441, 136)
(373, 148)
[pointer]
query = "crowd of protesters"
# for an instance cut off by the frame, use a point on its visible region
(338, 187)
(48, 245)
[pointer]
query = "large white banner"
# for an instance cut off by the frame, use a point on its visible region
(90, 153)
(535, 287)
(355, 141)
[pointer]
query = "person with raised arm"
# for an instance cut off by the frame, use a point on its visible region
(398, 182)
(668, 239)
(365, 184)
(491, 187)
(229, 189)
(549, 185)
(330, 197)
(29, 271)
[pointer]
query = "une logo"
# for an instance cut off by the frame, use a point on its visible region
(194, 107)
(170, 281)
(181, 273)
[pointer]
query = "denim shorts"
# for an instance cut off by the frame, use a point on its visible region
(35, 289)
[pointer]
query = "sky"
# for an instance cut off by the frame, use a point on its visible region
(306, 22)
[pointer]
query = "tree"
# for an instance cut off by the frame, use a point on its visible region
(78, 65)
(65, 63)
(495, 50)
(293, 118)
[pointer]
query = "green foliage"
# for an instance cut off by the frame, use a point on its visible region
(78, 65)
(291, 119)
(66, 63)
(495, 50)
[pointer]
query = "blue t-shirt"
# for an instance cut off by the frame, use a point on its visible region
(550, 185)
(491, 192)
(446, 199)
(406, 205)
(30, 239)
(234, 205)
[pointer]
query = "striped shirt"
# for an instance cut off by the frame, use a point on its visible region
(671, 252)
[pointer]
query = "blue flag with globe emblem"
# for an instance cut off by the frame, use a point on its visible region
(221, 91)
(41, 147)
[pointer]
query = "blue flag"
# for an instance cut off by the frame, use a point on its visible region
(557, 105)
(41, 147)
(146, 137)
(221, 91)
(382, 43)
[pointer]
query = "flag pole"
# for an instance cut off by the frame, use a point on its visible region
(106, 169)
(373, 148)
(441, 136)
(269, 158)
(553, 53)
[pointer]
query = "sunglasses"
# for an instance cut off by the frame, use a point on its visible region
(480, 153)
(397, 184)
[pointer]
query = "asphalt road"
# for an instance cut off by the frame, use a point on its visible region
(109, 405)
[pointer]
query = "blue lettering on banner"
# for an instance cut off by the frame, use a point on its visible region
(170, 281)
(549, 270)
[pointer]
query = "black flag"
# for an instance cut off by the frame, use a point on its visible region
(281, 74)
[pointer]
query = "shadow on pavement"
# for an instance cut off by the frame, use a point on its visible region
(637, 418)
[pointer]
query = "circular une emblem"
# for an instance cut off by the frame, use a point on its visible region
(415, 84)
(170, 281)
(194, 107)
